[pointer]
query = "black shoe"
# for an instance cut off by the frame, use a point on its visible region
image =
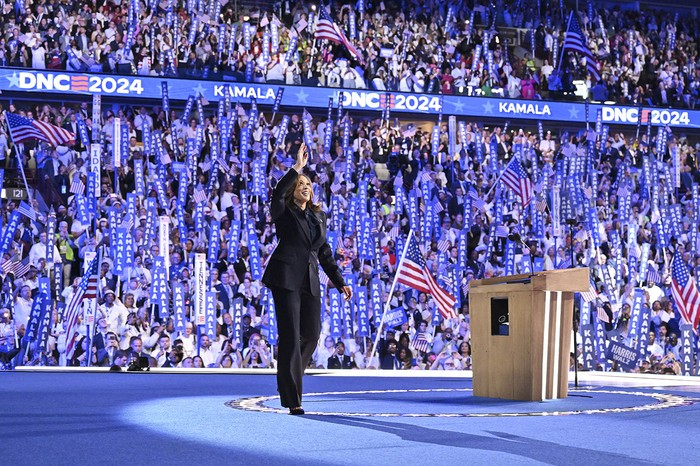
(296, 411)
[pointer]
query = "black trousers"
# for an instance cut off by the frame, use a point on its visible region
(299, 325)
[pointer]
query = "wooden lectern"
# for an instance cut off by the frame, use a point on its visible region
(521, 329)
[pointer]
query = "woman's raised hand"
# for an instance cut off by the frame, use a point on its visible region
(302, 158)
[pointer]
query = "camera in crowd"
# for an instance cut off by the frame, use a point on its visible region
(139, 364)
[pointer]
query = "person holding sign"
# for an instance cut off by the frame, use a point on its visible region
(292, 276)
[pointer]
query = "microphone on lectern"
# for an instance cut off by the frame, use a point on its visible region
(515, 237)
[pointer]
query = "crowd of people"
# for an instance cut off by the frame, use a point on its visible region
(447, 194)
(644, 56)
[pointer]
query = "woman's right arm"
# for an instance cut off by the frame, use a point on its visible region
(286, 182)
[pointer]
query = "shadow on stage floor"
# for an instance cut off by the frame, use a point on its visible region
(361, 418)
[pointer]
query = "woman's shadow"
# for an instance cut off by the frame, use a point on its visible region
(539, 450)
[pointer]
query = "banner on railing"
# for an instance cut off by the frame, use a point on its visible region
(15, 80)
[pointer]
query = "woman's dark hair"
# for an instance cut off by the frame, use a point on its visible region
(226, 356)
(79, 347)
(79, 351)
(177, 355)
(289, 195)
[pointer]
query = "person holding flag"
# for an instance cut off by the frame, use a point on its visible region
(292, 276)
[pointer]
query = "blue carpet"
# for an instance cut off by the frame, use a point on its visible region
(69, 418)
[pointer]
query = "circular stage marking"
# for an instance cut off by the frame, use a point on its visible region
(663, 401)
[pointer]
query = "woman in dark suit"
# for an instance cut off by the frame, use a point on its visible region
(292, 275)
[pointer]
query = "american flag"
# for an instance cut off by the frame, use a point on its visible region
(541, 205)
(21, 268)
(224, 167)
(327, 29)
(502, 231)
(200, 195)
(602, 314)
(394, 232)
(413, 272)
(16, 267)
(335, 186)
(409, 131)
(576, 41)
(592, 293)
(127, 222)
(477, 202)
(420, 342)
(8, 265)
(515, 177)
(205, 166)
(77, 186)
(165, 157)
(444, 244)
(685, 291)
(465, 288)
(653, 275)
(27, 210)
(426, 178)
(438, 208)
(87, 289)
(22, 129)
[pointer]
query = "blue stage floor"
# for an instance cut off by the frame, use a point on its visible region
(365, 418)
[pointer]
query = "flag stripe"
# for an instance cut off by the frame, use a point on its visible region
(87, 288)
(413, 272)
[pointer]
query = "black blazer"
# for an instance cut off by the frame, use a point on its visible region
(224, 297)
(295, 253)
(225, 331)
(98, 341)
(335, 362)
(103, 357)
